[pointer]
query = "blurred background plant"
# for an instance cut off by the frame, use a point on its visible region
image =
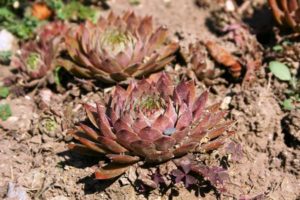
(283, 73)
(15, 17)
(73, 10)
(23, 17)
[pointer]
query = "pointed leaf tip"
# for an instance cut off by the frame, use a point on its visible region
(110, 171)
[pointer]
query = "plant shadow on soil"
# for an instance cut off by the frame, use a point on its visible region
(289, 139)
(92, 185)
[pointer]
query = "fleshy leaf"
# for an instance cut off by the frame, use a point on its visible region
(280, 70)
(5, 112)
(4, 92)
(111, 170)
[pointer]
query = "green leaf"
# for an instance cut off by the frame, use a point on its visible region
(4, 92)
(277, 48)
(286, 43)
(55, 4)
(288, 104)
(5, 112)
(134, 2)
(5, 57)
(75, 10)
(56, 76)
(280, 70)
(23, 28)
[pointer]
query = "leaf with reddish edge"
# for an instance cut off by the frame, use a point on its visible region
(104, 125)
(122, 125)
(214, 108)
(182, 109)
(139, 124)
(184, 149)
(219, 130)
(212, 145)
(171, 112)
(92, 145)
(90, 110)
(164, 86)
(142, 147)
(145, 28)
(196, 137)
(111, 170)
(182, 91)
(191, 94)
(123, 59)
(189, 90)
(215, 119)
(168, 51)
(128, 117)
(180, 135)
(199, 105)
(83, 150)
(176, 98)
(202, 123)
(148, 67)
(149, 134)
(120, 92)
(91, 132)
(111, 145)
(147, 182)
(164, 143)
(123, 159)
(162, 123)
(158, 156)
(157, 38)
(125, 138)
(184, 120)
(113, 116)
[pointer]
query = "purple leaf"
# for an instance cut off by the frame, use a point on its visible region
(216, 175)
(189, 180)
(178, 174)
(235, 150)
(183, 175)
(186, 166)
(157, 178)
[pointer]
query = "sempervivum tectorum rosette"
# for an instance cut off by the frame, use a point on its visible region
(153, 121)
(118, 48)
(36, 59)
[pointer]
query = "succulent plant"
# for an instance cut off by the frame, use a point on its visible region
(36, 57)
(55, 29)
(50, 126)
(183, 174)
(152, 121)
(200, 64)
(118, 48)
(286, 13)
